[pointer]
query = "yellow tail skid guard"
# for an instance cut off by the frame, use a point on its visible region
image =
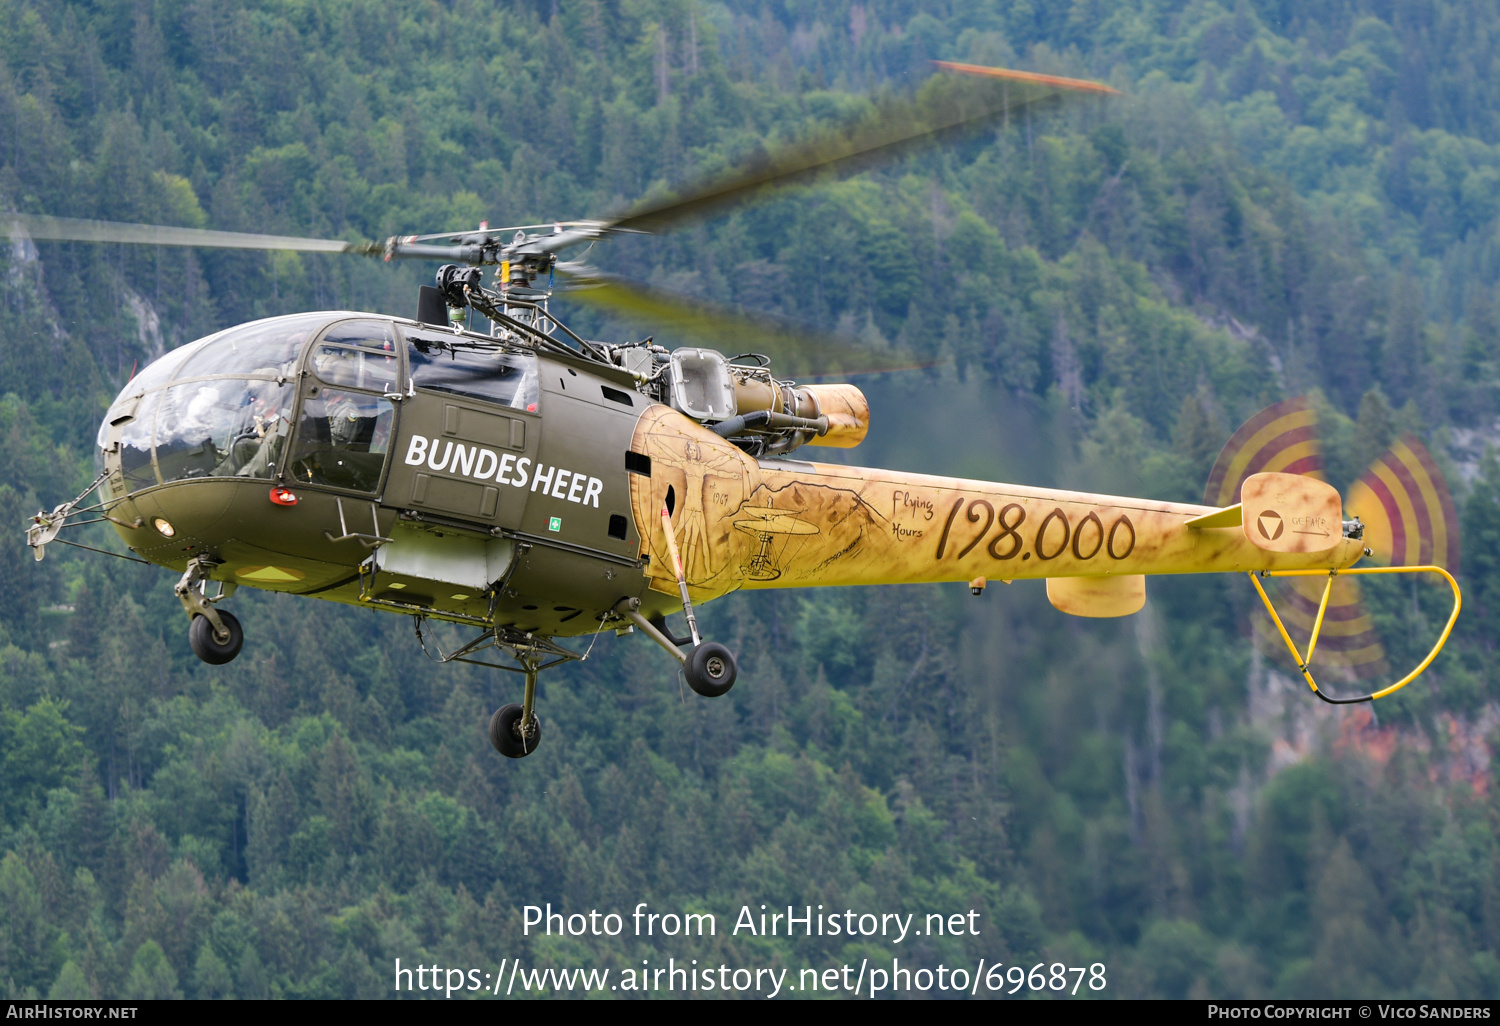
(1303, 663)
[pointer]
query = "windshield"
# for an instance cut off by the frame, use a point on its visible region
(157, 372)
(135, 445)
(262, 349)
(224, 406)
(222, 427)
(218, 407)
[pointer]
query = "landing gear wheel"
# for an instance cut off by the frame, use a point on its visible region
(506, 736)
(211, 649)
(710, 669)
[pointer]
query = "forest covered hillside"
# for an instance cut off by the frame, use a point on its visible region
(1287, 198)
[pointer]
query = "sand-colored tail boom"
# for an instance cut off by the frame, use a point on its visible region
(743, 523)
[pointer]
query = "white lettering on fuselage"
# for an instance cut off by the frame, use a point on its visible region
(475, 461)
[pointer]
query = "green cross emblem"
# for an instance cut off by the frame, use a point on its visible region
(555, 524)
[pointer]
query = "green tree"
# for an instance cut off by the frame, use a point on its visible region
(24, 933)
(1177, 954)
(42, 750)
(152, 977)
(70, 985)
(1480, 524)
(1375, 429)
(19, 616)
(1285, 203)
(211, 979)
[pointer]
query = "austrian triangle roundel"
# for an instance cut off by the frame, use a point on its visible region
(1271, 524)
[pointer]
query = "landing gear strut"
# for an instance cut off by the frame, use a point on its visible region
(708, 666)
(515, 729)
(216, 637)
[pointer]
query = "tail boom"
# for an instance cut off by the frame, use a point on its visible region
(744, 523)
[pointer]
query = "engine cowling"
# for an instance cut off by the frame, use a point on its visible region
(847, 410)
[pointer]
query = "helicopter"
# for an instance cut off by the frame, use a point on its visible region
(533, 485)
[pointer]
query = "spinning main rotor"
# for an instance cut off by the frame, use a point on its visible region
(945, 108)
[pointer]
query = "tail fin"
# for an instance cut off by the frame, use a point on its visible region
(1284, 439)
(1280, 440)
(1290, 513)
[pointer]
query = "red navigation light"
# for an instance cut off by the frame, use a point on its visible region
(283, 496)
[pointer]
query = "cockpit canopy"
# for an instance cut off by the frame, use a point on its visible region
(308, 398)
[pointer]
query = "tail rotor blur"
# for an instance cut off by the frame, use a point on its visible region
(1406, 508)
(1404, 503)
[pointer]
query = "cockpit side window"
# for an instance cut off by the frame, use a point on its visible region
(487, 374)
(364, 333)
(342, 439)
(359, 354)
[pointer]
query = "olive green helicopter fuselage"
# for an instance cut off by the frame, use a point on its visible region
(358, 458)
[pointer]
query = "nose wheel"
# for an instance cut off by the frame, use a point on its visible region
(212, 646)
(215, 636)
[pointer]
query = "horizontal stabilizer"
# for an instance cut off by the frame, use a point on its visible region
(1098, 596)
(1291, 513)
(1230, 516)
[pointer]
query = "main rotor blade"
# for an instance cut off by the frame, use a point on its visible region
(1081, 85)
(943, 108)
(70, 229)
(795, 348)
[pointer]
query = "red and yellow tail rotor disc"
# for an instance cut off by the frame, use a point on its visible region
(1406, 508)
(1402, 499)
